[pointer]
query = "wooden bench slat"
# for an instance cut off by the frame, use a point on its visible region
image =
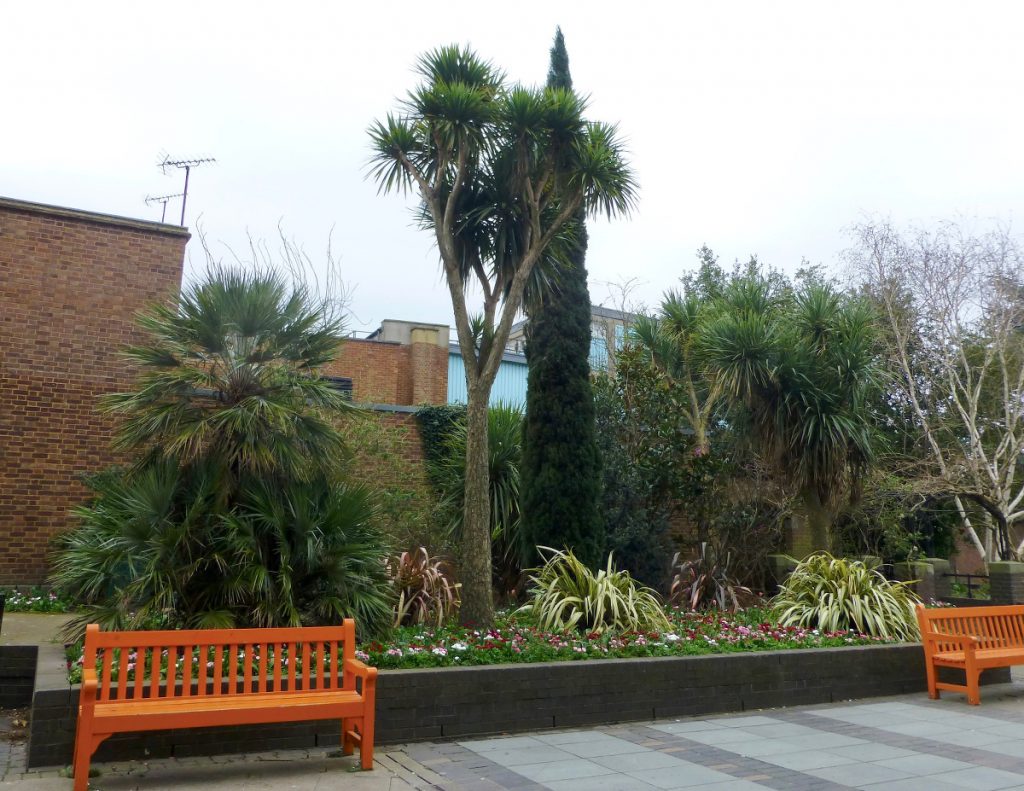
(108, 661)
(122, 673)
(187, 662)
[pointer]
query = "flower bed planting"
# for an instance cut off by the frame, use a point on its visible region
(34, 600)
(514, 640)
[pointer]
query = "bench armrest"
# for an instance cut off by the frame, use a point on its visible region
(359, 668)
(90, 685)
(963, 640)
(353, 669)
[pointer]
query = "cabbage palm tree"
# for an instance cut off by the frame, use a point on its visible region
(500, 171)
(802, 366)
(674, 342)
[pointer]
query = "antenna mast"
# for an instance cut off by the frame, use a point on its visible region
(162, 199)
(187, 165)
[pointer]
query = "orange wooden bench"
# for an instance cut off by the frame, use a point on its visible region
(222, 677)
(972, 639)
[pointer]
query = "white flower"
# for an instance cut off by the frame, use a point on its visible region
(459, 646)
(671, 637)
(440, 651)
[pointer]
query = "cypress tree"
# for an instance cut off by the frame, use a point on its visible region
(561, 465)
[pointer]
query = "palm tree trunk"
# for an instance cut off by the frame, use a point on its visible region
(817, 518)
(477, 602)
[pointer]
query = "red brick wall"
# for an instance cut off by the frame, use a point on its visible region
(390, 373)
(70, 284)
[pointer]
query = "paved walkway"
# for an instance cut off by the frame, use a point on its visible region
(901, 744)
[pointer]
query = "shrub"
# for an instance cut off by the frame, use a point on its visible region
(833, 594)
(704, 583)
(568, 595)
(233, 512)
(156, 550)
(426, 592)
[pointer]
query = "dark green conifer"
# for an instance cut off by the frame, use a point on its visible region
(561, 465)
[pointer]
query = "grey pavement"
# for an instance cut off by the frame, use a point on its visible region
(903, 743)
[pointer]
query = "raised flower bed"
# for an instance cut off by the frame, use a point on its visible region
(454, 683)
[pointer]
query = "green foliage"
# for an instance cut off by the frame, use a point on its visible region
(426, 591)
(405, 503)
(567, 595)
(157, 548)
(230, 374)
(436, 425)
(561, 462)
(232, 513)
(647, 462)
(35, 599)
(890, 521)
(833, 594)
(704, 582)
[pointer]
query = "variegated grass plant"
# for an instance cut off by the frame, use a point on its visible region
(566, 595)
(834, 594)
(426, 591)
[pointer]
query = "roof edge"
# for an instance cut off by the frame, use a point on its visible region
(98, 218)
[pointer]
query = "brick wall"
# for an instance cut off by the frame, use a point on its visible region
(384, 372)
(70, 284)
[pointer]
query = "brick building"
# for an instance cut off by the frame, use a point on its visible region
(70, 284)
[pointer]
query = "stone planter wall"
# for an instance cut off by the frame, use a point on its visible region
(449, 703)
(17, 675)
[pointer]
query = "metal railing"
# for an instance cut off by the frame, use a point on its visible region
(970, 583)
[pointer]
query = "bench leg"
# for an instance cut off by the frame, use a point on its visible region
(973, 690)
(85, 746)
(933, 691)
(347, 745)
(366, 741)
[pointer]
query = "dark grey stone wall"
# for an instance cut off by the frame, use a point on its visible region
(17, 675)
(448, 703)
(1006, 582)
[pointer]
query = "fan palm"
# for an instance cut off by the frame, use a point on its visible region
(232, 512)
(229, 373)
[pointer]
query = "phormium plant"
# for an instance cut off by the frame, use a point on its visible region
(833, 594)
(704, 582)
(426, 591)
(566, 594)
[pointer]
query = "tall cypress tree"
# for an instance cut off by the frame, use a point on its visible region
(561, 465)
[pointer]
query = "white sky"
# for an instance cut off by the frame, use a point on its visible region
(753, 127)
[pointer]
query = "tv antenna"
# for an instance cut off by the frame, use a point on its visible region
(186, 165)
(162, 199)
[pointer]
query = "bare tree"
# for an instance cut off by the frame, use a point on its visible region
(953, 305)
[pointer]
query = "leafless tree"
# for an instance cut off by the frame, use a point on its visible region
(952, 301)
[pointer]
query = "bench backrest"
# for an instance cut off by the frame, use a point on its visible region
(995, 627)
(211, 662)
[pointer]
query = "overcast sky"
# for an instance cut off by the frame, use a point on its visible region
(756, 127)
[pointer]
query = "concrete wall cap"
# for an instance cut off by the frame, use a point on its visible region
(96, 218)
